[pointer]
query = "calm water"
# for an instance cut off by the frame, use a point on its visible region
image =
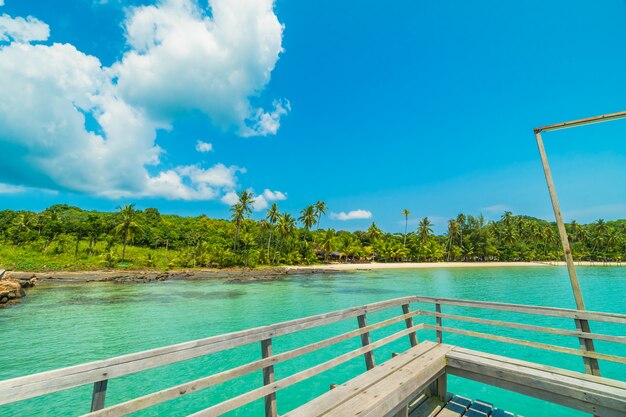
(64, 325)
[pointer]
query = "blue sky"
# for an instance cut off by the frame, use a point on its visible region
(372, 107)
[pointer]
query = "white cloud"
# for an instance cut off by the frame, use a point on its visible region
(179, 59)
(19, 29)
(203, 146)
(1, 2)
(230, 198)
(182, 59)
(11, 189)
(274, 195)
(352, 215)
(496, 209)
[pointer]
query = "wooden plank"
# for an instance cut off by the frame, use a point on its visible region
(30, 386)
(586, 345)
(399, 387)
(537, 345)
(409, 323)
(548, 383)
(565, 372)
(268, 379)
(520, 326)
(99, 394)
(429, 408)
(525, 309)
(255, 394)
(167, 394)
(439, 333)
(365, 340)
(363, 381)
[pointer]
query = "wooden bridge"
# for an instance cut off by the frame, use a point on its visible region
(413, 382)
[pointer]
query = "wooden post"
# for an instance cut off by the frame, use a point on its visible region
(268, 378)
(439, 332)
(99, 395)
(365, 340)
(591, 364)
(409, 324)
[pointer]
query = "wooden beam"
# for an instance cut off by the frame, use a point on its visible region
(409, 323)
(365, 341)
(591, 365)
(99, 395)
(438, 319)
(582, 122)
(268, 379)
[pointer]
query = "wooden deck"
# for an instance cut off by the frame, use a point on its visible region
(412, 383)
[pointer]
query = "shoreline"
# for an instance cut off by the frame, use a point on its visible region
(262, 273)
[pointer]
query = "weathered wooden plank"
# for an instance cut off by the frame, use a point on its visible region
(268, 379)
(520, 326)
(30, 386)
(363, 381)
(383, 398)
(544, 346)
(99, 395)
(525, 309)
(406, 309)
(255, 394)
(365, 340)
(548, 383)
(429, 408)
(193, 386)
(586, 345)
(438, 319)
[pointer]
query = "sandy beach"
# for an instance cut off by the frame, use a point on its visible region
(413, 265)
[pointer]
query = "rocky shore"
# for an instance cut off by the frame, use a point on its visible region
(12, 290)
(146, 276)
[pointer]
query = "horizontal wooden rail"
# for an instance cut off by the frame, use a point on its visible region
(541, 329)
(255, 394)
(30, 386)
(544, 346)
(171, 393)
(534, 310)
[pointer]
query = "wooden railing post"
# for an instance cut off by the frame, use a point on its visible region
(99, 395)
(268, 378)
(409, 324)
(439, 332)
(586, 345)
(365, 340)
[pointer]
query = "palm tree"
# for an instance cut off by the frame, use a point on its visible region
(271, 217)
(307, 217)
(406, 213)
(461, 219)
(285, 227)
(453, 232)
(241, 210)
(320, 210)
(328, 243)
(128, 227)
(425, 230)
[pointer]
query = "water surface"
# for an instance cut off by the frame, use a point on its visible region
(62, 325)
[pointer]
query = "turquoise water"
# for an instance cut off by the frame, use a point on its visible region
(63, 325)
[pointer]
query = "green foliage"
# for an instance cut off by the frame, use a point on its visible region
(68, 238)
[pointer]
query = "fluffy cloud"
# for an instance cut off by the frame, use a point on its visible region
(178, 60)
(203, 146)
(352, 215)
(181, 59)
(261, 201)
(10, 189)
(22, 30)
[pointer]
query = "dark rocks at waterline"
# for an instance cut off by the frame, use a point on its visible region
(12, 290)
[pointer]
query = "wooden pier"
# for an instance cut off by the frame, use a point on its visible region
(412, 383)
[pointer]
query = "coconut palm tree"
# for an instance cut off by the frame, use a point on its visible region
(320, 210)
(241, 210)
(271, 217)
(128, 226)
(328, 243)
(308, 217)
(425, 230)
(406, 213)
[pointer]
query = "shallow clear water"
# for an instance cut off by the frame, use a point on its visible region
(63, 325)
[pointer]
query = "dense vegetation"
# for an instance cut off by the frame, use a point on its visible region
(65, 237)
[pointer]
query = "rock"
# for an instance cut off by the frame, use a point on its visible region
(4, 300)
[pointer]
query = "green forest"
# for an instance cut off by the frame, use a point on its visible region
(63, 237)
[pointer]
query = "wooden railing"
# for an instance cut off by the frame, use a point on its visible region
(100, 373)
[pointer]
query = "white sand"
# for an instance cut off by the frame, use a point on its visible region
(418, 265)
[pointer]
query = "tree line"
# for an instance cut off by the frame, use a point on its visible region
(68, 237)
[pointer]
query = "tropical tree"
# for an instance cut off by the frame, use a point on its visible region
(406, 213)
(240, 211)
(128, 226)
(308, 217)
(424, 230)
(320, 210)
(271, 217)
